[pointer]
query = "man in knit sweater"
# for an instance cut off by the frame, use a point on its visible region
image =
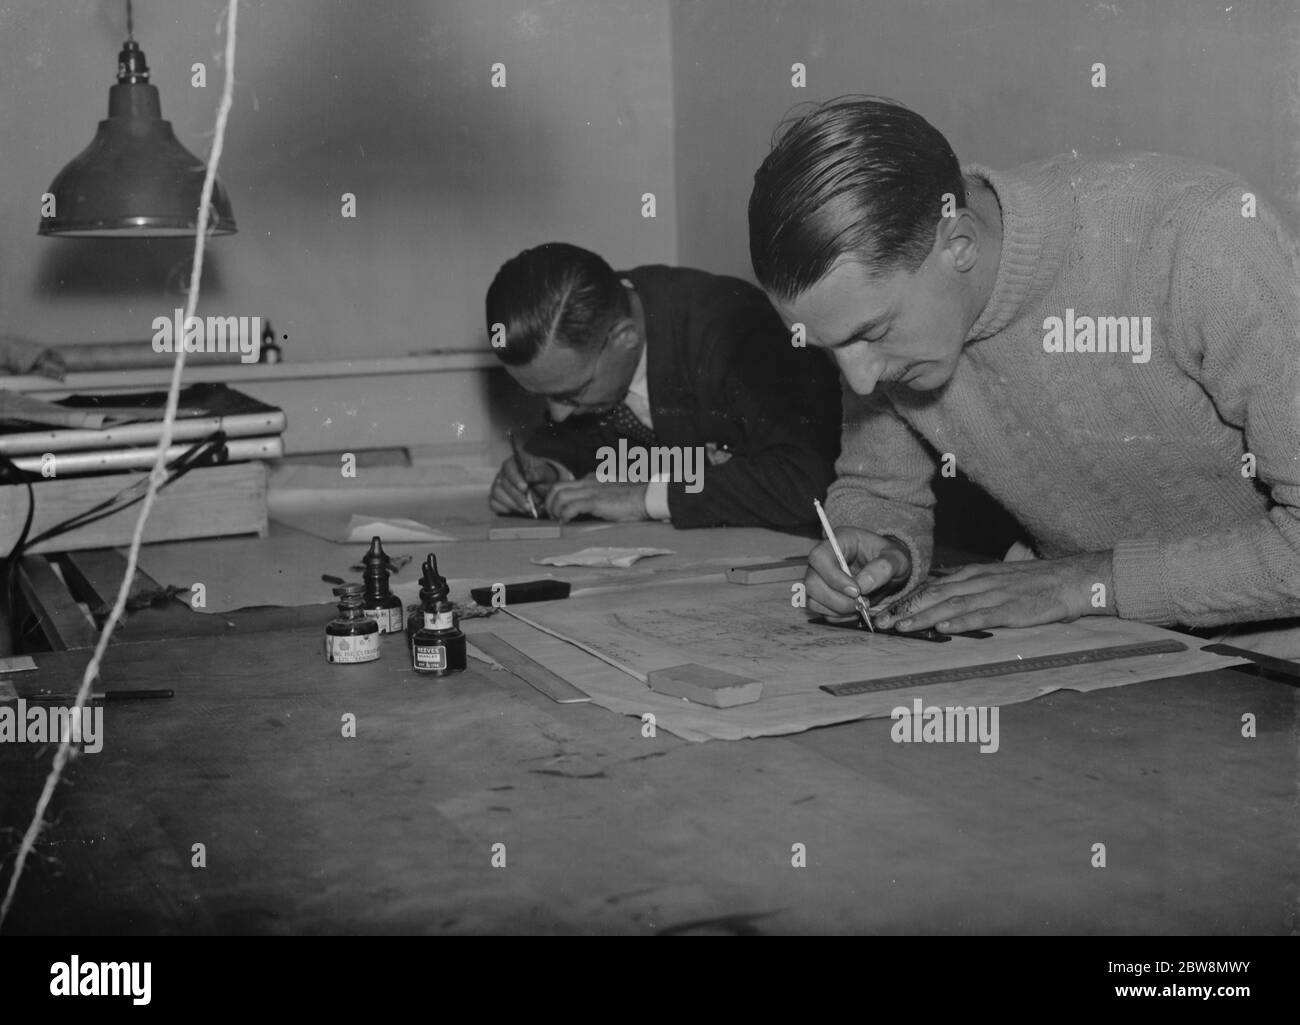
(1109, 346)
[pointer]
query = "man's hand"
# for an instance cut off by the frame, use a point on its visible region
(622, 503)
(874, 561)
(509, 493)
(1010, 594)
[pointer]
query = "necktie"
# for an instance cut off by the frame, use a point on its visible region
(623, 422)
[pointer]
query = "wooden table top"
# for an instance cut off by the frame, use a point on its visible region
(606, 831)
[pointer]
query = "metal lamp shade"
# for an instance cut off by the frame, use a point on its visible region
(134, 179)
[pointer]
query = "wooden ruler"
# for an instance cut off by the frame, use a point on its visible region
(1018, 665)
(536, 675)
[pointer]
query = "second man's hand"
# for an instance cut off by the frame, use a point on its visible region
(622, 503)
(510, 489)
(1026, 593)
(875, 562)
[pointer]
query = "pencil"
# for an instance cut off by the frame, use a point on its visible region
(102, 695)
(519, 465)
(863, 610)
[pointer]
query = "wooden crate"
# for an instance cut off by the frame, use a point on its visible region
(207, 502)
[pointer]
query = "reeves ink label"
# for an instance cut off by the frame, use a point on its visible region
(430, 658)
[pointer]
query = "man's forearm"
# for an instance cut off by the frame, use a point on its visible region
(1243, 574)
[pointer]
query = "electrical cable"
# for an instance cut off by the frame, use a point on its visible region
(194, 456)
(177, 469)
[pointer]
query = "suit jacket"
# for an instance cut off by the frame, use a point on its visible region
(720, 368)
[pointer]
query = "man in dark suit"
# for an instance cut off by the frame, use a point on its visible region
(659, 360)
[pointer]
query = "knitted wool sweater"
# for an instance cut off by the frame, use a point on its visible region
(1100, 450)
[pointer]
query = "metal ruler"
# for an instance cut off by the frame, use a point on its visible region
(1018, 665)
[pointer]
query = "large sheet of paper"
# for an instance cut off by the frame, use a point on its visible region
(754, 632)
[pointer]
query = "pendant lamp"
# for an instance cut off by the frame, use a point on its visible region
(134, 180)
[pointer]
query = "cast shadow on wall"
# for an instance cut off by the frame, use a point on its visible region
(130, 270)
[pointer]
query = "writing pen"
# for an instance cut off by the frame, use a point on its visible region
(519, 465)
(863, 609)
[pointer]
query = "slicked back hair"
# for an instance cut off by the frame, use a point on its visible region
(553, 292)
(858, 176)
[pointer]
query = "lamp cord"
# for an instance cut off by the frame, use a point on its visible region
(204, 452)
(130, 22)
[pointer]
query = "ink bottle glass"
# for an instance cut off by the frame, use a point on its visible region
(433, 589)
(438, 648)
(352, 637)
(381, 605)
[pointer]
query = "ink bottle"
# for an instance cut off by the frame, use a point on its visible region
(381, 605)
(270, 347)
(352, 637)
(433, 588)
(438, 648)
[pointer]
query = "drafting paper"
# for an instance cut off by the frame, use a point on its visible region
(390, 529)
(617, 557)
(754, 632)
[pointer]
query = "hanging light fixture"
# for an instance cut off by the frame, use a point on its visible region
(134, 180)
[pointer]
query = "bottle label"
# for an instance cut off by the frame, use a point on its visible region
(389, 620)
(440, 620)
(357, 648)
(430, 657)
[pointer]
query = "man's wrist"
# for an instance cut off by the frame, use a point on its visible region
(656, 501)
(1098, 578)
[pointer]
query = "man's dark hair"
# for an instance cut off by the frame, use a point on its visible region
(554, 292)
(857, 175)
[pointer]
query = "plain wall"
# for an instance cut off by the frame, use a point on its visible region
(1007, 81)
(388, 100)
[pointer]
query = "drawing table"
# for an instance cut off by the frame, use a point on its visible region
(608, 831)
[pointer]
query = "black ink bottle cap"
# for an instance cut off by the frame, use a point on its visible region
(433, 585)
(376, 571)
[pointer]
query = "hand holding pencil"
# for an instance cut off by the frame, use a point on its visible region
(522, 484)
(849, 566)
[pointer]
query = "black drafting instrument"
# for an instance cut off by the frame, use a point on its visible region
(520, 593)
(1268, 663)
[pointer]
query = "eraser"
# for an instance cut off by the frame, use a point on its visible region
(539, 532)
(769, 572)
(705, 686)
